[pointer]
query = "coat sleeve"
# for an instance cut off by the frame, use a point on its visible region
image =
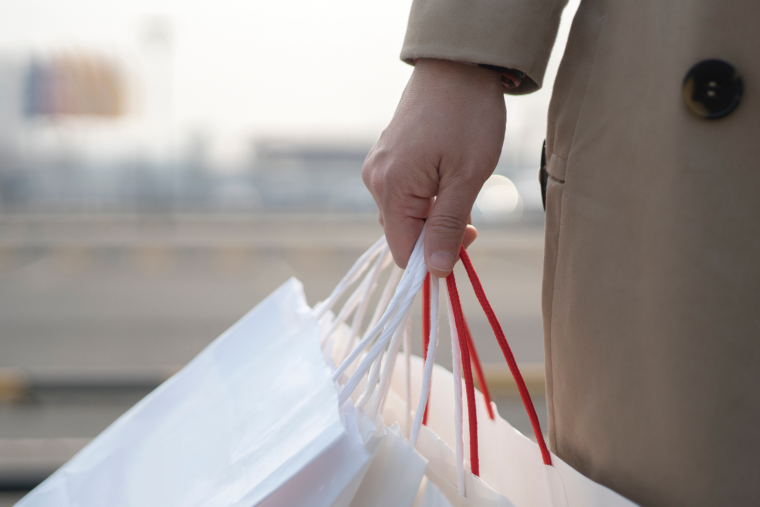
(516, 34)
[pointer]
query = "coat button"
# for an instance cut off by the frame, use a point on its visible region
(712, 89)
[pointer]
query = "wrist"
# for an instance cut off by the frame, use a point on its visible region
(429, 71)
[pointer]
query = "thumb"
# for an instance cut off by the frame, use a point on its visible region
(446, 227)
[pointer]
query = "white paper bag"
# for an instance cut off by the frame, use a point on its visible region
(395, 474)
(430, 496)
(510, 463)
(255, 420)
(255, 411)
(441, 471)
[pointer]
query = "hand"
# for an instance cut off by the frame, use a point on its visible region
(431, 161)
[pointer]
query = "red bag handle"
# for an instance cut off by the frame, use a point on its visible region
(524, 395)
(478, 370)
(469, 354)
(470, 344)
(456, 306)
(426, 335)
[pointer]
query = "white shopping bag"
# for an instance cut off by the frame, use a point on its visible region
(255, 420)
(441, 472)
(254, 412)
(510, 462)
(512, 472)
(395, 474)
(439, 463)
(263, 417)
(443, 469)
(430, 496)
(514, 466)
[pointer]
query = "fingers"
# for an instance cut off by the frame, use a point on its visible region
(470, 235)
(403, 211)
(404, 217)
(444, 140)
(446, 226)
(403, 223)
(403, 186)
(401, 234)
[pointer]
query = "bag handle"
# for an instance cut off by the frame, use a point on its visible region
(425, 332)
(470, 345)
(353, 274)
(501, 339)
(457, 363)
(464, 359)
(396, 315)
(427, 374)
(398, 310)
(382, 261)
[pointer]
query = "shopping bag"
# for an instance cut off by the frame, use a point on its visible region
(254, 415)
(441, 472)
(376, 484)
(257, 419)
(511, 470)
(292, 406)
(394, 475)
(430, 496)
(509, 463)
(443, 467)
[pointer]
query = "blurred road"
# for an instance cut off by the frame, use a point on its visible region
(95, 310)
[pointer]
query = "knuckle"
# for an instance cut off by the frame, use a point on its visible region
(448, 225)
(374, 175)
(417, 207)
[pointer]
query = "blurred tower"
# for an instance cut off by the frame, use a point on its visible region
(156, 57)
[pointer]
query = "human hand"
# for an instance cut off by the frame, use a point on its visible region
(431, 161)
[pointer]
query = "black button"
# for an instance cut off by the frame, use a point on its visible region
(712, 89)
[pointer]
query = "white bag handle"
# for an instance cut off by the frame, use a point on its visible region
(400, 304)
(385, 379)
(349, 306)
(408, 377)
(389, 332)
(382, 260)
(429, 361)
(457, 372)
(387, 370)
(385, 298)
(353, 274)
(359, 298)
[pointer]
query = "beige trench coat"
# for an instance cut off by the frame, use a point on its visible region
(651, 292)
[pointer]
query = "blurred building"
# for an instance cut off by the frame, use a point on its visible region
(310, 175)
(75, 85)
(58, 112)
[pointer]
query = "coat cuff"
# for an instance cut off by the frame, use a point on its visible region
(513, 34)
(510, 78)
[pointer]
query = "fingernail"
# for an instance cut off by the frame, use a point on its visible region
(442, 261)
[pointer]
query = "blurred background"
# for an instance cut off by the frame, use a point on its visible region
(165, 165)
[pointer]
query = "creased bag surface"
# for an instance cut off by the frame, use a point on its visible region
(243, 418)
